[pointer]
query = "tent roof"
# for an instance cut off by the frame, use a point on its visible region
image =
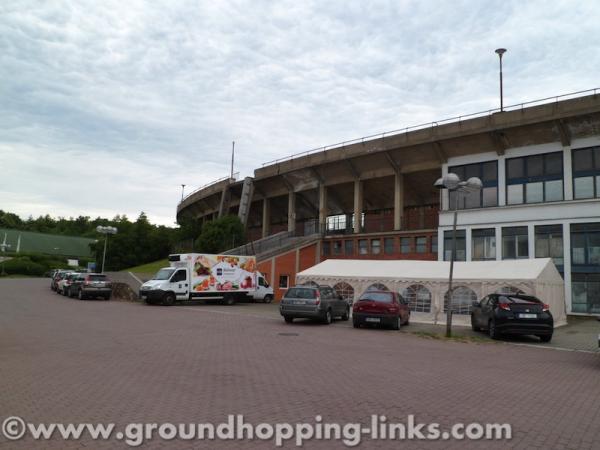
(522, 269)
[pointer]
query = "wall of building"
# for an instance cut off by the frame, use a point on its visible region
(564, 214)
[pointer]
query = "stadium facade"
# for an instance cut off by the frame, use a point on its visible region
(373, 198)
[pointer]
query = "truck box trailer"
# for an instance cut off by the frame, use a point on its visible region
(198, 276)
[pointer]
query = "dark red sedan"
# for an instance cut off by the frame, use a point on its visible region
(382, 308)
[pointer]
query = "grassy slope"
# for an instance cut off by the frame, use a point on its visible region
(152, 267)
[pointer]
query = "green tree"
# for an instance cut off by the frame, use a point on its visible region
(221, 235)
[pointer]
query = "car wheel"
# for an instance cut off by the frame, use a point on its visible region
(407, 320)
(229, 300)
(473, 326)
(492, 330)
(268, 299)
(80, 295)
(327, 318)
(396, 324)
(346, 314)
(168, 299)
(545, 337)
(288, 319)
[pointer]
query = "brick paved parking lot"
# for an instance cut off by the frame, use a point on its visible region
(69, 361)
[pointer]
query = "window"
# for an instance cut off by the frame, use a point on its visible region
(461, 249)
(462, 299)
(585, 247)
(349, 248)
(180, 275)
(585, 293)
(534, 179)
(388, 246)
(284, 281)
(586, 172)
(344, 290)
(549, 244)
(515, 243)
(418, 298)
(363, 246)
(434, 244)
(421, 244)
(405, 244)
(487, 172)
(326, 248)
(375, 246)
(337, 247)
(336, 223)
(483, 244)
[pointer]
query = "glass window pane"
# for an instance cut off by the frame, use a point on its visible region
(472, 199)
(598, 186)
(582, 159)
(534, 192)
(375, 246)
(405, 245)
(597, 157)
(460, 171)
(535, 166)
(490, 196)
(326, 248)
(514, 168)
(522, 247)
(388, 245)
(363, 246)
(542, 246)
(434, 244)
(421, 244)
(508, 247)
(584, 187)
(594, 248)
(578, 248)
(515, 194)
(554, 190)
(472, 170)
(554, 163)
(490, 171)
(349, 247)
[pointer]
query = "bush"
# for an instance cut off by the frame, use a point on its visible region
(23, 266)
(220, 235)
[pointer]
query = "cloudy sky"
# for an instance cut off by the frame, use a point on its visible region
(107, 107)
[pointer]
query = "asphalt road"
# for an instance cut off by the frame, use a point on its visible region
(69, 361)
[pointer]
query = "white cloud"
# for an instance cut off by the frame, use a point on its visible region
(134, 98)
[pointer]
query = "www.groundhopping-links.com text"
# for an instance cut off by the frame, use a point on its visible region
(235, 428)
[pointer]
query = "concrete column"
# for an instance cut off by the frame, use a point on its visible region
(266, 217)
(468, 246)
(531, 240)
(445, 196)
(567, 265)
(358, 205)
(322, 207)
(292, 212)
(568, 174)
(501, 181)
(398, 200)
(498, 242)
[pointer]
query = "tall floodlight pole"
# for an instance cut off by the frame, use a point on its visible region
(106, 231)
(182, 189)
(232, 156)
(3, 247)
(500, 52)
(452, 183)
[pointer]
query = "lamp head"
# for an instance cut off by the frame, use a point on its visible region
(500, 51)
(449, 181)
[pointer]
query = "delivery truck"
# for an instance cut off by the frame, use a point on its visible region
(197, 276)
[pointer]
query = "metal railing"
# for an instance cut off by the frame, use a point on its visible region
(235, 177)
(422, 126)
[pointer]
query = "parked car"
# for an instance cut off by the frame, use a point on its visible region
(56, 277)
(313, 302)
(62, 281)
(75, 282)
(383, 308)
(66, 283)
(94, 285)
(516, 314)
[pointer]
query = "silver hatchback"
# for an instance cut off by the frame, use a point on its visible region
(313, 302)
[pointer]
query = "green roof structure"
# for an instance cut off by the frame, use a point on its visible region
(50, 244)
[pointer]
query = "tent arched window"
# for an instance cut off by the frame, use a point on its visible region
(418, 298)
(462, 299)
(344, 290)
(509, 290)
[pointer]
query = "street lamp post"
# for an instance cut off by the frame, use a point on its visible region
(500, 52)
(452, 183)
(106, 231)
(182, 189)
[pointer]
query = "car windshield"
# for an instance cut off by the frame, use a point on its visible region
(383, 297)
(97, 277)
(301, 293)
(163, 274)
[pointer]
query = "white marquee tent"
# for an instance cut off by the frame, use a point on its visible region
(425, 283)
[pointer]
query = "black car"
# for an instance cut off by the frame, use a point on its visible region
(513, 314)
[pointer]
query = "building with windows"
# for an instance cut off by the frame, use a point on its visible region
(373, 198)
